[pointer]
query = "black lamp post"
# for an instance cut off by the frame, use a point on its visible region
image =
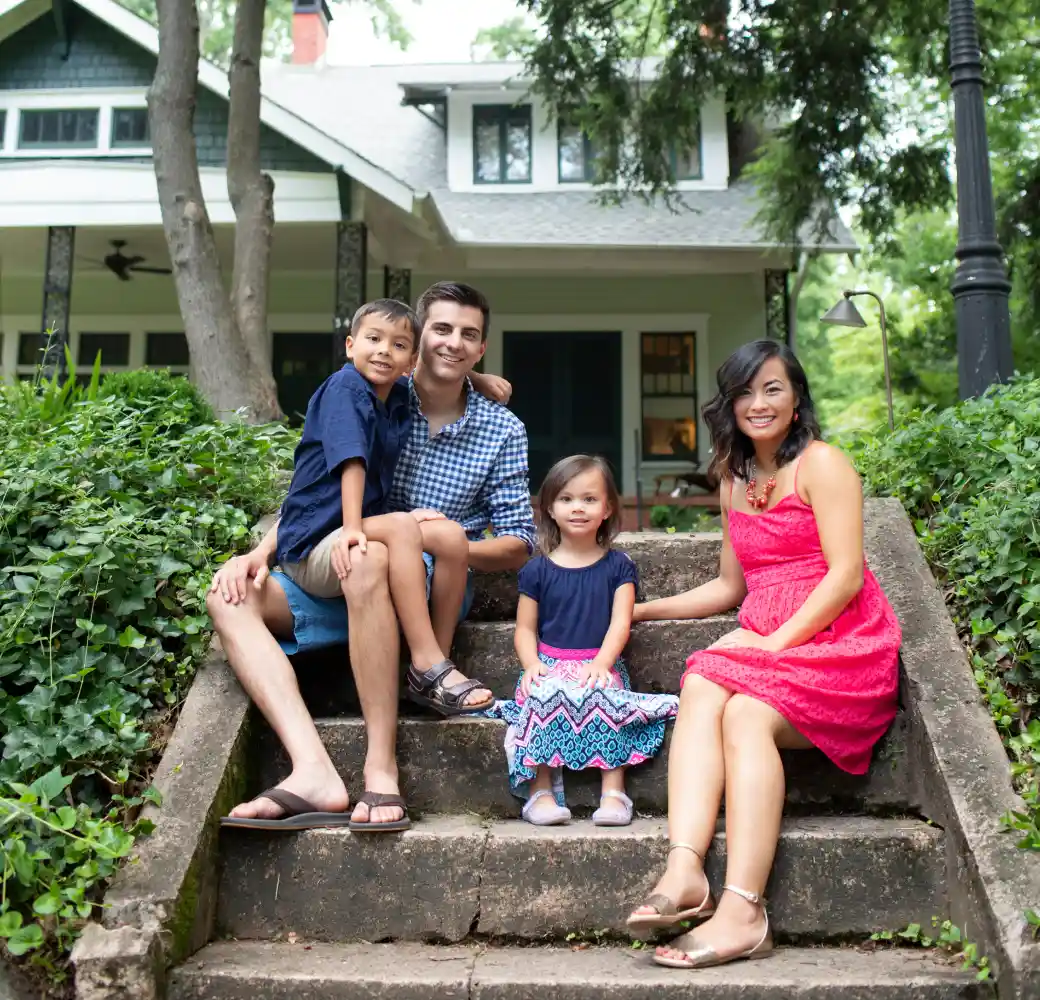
(980, 286)
(846, 314)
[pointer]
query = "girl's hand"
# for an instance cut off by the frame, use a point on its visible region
(745, 637)
(595, 674)
(531, 674)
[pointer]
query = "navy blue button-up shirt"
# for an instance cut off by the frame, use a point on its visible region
(345, 420)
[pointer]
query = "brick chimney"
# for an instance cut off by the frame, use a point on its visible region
(310, 30)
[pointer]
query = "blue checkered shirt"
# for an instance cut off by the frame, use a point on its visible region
(473, 471)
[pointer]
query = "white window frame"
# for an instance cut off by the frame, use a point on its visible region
(105, 101)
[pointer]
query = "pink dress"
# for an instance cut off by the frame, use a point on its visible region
(839, 689)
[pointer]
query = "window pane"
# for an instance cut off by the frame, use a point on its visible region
(73, 127)
(518, 148)
(688, 163)
(486, 137)
(3, 123)
(572, 153)
(114, 348)
(130, 127)
(30, 348)
(670, 428)
(166, 350)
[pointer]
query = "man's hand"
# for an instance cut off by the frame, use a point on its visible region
(232, 579)
(745, 637)
(341, 554)
(426, 514)
(494, 387)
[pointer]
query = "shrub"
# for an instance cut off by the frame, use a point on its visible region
(681, 517)
(968, 478)
(113, 510)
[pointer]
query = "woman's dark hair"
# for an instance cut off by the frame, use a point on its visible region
(734, 451)
(556, 479)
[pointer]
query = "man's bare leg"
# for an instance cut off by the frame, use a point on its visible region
(264, 671)
(375, 652)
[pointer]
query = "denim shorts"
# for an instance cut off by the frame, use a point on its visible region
(319, 621)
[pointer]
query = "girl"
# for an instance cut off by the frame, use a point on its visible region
(574, 707)
(814, 663)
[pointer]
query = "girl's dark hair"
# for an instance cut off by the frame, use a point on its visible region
(734, 451)
(556, 479)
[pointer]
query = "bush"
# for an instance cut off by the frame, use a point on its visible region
(113, 510)
(968, 478)
(681, 517)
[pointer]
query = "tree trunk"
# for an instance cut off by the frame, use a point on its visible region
(221, 363)
(252, 195)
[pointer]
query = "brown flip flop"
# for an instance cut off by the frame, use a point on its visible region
(299, 815)
(374, 800)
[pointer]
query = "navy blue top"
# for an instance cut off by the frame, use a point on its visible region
(574, 605)
(345, 419)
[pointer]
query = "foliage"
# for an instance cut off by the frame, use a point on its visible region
(679, 517)
(946, 937)
(967, 476)
(114, 503)
(513, 39)
(217, 25)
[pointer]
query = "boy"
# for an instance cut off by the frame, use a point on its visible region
(355, 426)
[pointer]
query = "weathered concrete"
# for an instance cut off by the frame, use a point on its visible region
(123, 963)
(656, 657)
(14, 985)
(832, 877)
(447, 876)
(964, 769)
(458, 765)
(247, 970)
(668, 564)
(331, 885)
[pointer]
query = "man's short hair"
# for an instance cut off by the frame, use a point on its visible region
(392, 310)
(454, 291)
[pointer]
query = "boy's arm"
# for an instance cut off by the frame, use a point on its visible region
(507, 497)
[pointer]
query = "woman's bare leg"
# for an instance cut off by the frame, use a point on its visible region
(696, 776)
(753, 734)
(446, 541)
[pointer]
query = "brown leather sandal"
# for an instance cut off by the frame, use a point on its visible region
(427, 688)
(373, 800)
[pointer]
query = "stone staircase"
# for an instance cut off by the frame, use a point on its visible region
(472, 903)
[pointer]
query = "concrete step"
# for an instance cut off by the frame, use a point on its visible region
(459, 766)
(452, 876)
(668, 564)
(248, 970)
(656, 658)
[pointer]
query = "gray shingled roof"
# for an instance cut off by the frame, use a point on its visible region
(361, 107)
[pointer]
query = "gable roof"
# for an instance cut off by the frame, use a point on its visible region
(15, 14)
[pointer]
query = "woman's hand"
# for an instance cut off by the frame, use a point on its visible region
(531, 674)
(597, 674)
(745, 637)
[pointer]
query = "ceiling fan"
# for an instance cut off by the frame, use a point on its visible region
(122, 266)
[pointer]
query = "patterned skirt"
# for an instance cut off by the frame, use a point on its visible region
(563, 724)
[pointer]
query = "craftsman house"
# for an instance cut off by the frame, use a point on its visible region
(609, 321)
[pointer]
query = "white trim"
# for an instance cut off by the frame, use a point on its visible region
(631, 326)
(113, 193)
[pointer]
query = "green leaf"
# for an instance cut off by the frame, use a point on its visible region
(131, 638)
(9, 923)
(50, 785)
(25, 939)
(48, 903)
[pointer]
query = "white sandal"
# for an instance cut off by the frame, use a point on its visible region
(609, 815)
(561, 814)
(704, 956)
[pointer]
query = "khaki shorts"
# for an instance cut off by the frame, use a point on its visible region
(315, 573)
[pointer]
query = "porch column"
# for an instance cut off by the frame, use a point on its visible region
(57, 292)
(778, 319)
(397, 284)
(351, 275)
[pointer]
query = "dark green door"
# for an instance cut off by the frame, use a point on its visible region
(567, 391)
(302, 361)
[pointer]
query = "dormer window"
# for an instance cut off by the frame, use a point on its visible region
(576, 154)
(502, 144)
(686, 161)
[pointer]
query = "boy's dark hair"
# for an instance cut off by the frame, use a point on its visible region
(454, 291)
(392, 310)
(555, 480)
(734, 451)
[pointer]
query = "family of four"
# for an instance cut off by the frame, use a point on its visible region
(411, 473)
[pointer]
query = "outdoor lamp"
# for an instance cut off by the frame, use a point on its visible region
(846, 314)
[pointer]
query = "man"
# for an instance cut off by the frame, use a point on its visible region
(465, 457)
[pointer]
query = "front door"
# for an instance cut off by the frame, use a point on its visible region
(302, 361)
(567, 391)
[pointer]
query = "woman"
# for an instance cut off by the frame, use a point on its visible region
(814, 663)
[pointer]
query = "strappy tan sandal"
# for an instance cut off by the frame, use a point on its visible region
(668, 913)
(704, 957)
